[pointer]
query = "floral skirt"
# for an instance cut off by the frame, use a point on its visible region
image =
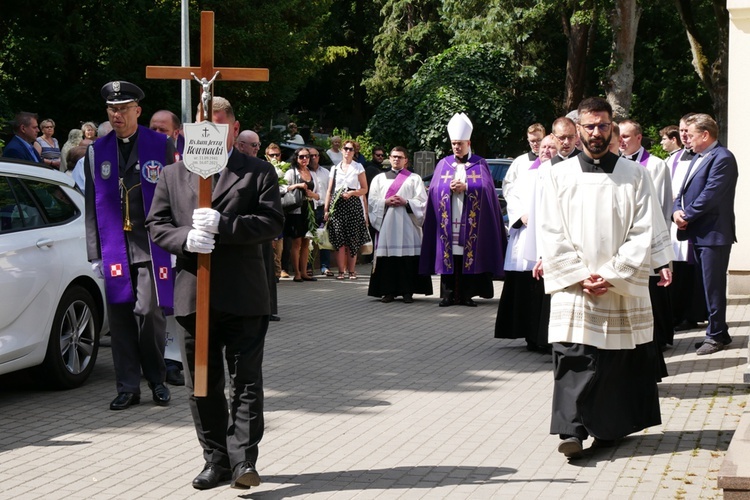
(346, 225)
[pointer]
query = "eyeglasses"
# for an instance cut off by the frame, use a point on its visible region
(398, 157)
(254, 144)
(314, 156)
(603, 127)
(273, 155)
(534, 141)
(565, 137)
(120, 110)
(348, 149)
(303, 157)
(48, 126)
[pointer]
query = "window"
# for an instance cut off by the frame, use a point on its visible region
(29, 204)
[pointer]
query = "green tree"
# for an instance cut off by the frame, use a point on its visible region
(475, 79)
(410, 32)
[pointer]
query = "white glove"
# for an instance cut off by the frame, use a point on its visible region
(96, 268)
(206, 219)
(199, 241)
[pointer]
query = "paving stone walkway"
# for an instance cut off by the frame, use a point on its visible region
(370, 400)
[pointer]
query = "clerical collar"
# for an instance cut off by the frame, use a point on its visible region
(635, 155)
(604, 164)
(462, 159)
(131, 137)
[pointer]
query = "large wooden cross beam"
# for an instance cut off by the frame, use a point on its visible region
(206, 72)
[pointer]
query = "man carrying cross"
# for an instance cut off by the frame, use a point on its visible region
(245, 213)
(464, 237)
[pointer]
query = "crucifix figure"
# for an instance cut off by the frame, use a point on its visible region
(202, 74)
(206, 85)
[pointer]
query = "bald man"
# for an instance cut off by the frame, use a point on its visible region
(248, 142)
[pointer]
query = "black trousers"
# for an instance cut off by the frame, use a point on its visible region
(139, 334)
(229, 432)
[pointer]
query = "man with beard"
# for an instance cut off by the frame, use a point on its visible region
(596, 266)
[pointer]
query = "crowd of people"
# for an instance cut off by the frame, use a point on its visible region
(598, 230)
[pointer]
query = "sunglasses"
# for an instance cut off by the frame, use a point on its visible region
(303, 157)
(379, 154)
(254, 144)
(348, 149)
(273, 155)
(314, 156)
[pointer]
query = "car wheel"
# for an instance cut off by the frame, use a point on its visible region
(73, 341)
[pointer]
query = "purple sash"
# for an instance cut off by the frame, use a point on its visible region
(403, 174)
(675, 161)
(644, 159)
(115, 262)
(536, 164)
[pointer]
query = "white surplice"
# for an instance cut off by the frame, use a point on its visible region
(606, 224)
(399, 232)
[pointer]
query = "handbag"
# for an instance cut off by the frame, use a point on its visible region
(324, 242)
(367, 248)
(293, 199)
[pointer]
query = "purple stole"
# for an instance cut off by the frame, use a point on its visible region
(403, 174)
(644, 159)
(536, 164)
(109, 218)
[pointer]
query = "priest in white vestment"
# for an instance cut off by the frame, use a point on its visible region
(601, 234)
(397, 207)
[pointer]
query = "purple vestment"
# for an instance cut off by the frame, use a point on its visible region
(482, 230)
(109, 218)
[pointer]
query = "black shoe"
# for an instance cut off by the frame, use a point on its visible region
(446, 302)
(386, 299)
(408, 299)
(603, 443)
(245, 476)
(211, 476)
(571, 447)
(468, 302)
(175, 376)
(124, 400)
(160, 393)
(273, 317)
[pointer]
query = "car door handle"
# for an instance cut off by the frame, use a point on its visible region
(46, 242)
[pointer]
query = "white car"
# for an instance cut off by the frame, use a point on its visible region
(51, 304)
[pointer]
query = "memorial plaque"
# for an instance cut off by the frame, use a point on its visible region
(424, 162)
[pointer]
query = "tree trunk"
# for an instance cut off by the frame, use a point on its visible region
(713, 74)
(578, 31)
(619, 86)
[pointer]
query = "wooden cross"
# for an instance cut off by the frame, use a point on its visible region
(207, 71)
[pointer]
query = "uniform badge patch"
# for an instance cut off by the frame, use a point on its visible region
(116, 86)
(115, 270)
(151, 170)
(163, 273)
(106, 170)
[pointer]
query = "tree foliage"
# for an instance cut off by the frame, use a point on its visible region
(470, 78)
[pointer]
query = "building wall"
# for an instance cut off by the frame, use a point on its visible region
(737, 130)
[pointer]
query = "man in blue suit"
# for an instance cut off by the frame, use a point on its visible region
(26, 129)
(704, 214)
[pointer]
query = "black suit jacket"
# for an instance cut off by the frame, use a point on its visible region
(247, 196)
